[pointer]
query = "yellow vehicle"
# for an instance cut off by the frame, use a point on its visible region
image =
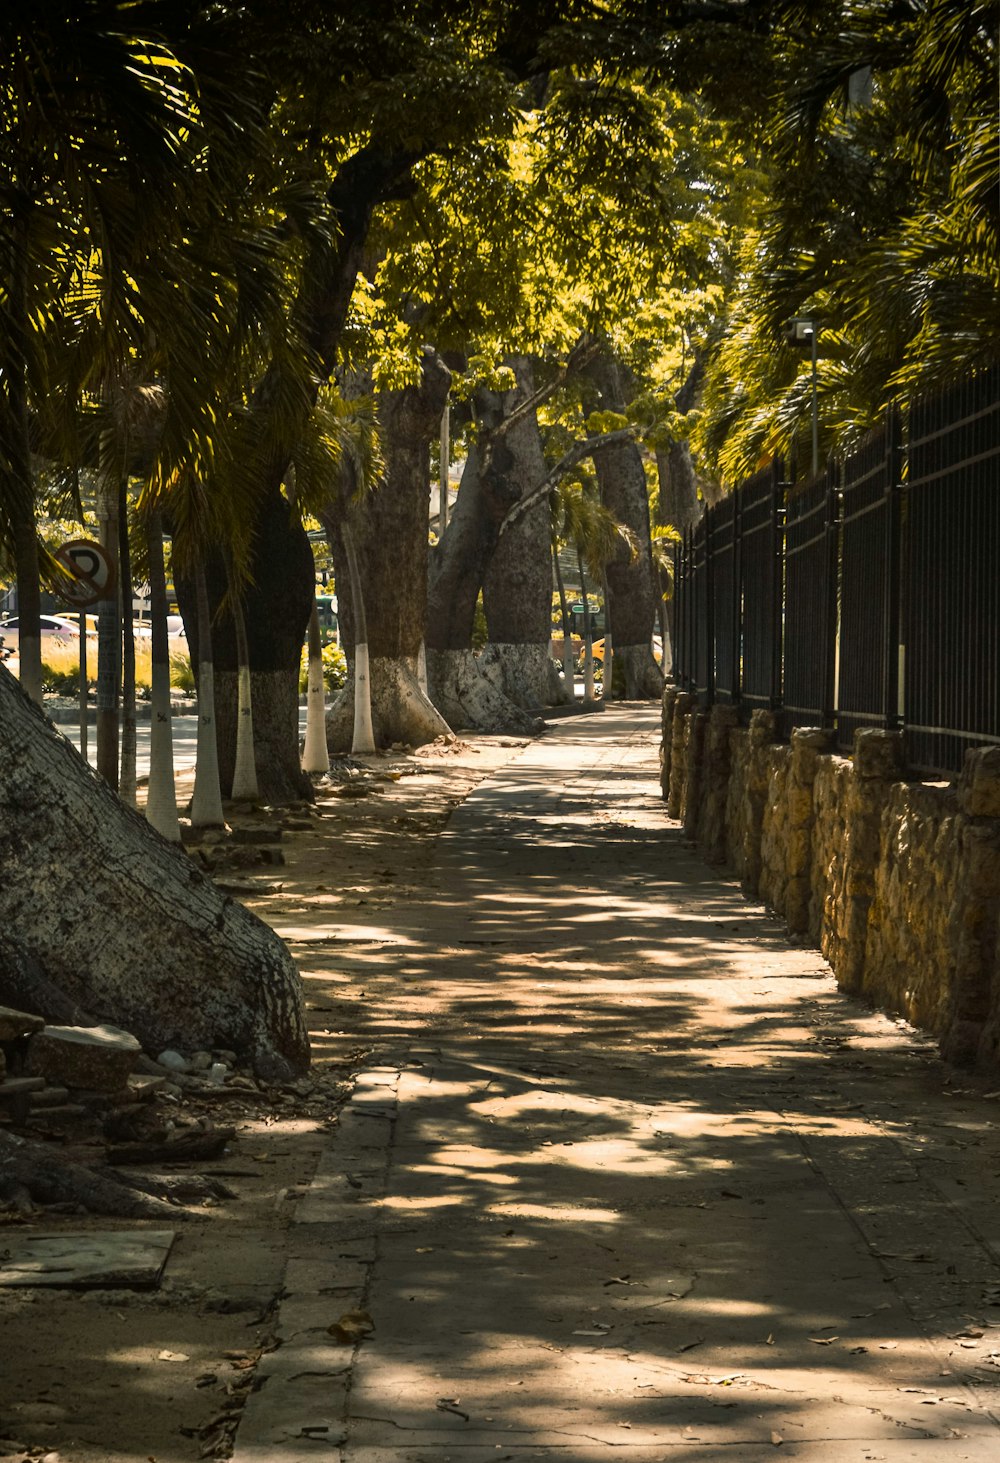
(657, 649)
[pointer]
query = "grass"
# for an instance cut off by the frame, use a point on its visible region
(61, 665)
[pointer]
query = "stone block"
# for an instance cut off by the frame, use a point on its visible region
(98, 1058)
(979, 784)
(15, 1024)
(878, 755)
(809, 743)
(763, 728)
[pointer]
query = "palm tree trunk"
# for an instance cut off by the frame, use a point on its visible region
(567, 655)
(364, 733)
(29, 607)
(245, 789)
(588, 636)
(84, 687)
(109, 628)
(206, 804)
(315, 754)
(127, 778)
(161, 797)
(609, 649)
(21, 494)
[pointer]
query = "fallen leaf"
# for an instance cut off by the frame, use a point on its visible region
(450, 1404)
(770, 1339)
(690, 1345)
(172, 1356)
(618, 1280)
(777, 1439)
(352, 1327)
(823, 1340)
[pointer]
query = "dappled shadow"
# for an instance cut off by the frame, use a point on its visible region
(648, 1185)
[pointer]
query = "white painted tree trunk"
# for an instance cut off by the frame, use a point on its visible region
(422, 670)
(161, 794)
(127, 776)
(399, 709)
(364, 732)
(364, 735)
(109, 622)
(206, 804)
(520, 671)
(568, 670)
(315, 753)
(244, 789)
(467, 698)
(245, 767)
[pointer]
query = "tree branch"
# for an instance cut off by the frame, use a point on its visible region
(576, 454)
(580, 356)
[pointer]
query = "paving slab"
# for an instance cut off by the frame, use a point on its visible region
(627, 1176)
(85, 1260)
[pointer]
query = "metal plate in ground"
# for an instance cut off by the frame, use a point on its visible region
(129, 1259)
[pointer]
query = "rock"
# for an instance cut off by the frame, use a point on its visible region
(15, 1024)
(96, 1057)
(200, 1061)
(142, 1085)
(172, 1061)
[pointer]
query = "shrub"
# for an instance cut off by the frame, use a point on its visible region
(334, 668)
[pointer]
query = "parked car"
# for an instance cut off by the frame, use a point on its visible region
(59, 627)
(657, 649)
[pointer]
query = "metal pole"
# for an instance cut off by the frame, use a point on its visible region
(815, 405)
(445, 456)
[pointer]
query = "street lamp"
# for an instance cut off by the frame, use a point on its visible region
(803, 333)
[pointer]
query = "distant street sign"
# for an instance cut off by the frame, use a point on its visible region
(90, 569)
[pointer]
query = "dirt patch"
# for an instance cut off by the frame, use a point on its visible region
(116, 1375)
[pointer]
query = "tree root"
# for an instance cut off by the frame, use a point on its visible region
(34, 1169)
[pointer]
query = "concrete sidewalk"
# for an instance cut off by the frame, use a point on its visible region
(627, 1176)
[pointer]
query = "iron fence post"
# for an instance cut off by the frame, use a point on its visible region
(777, 514)
(832, 526)
(894, 533)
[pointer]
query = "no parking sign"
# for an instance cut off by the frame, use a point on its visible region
(90, 569)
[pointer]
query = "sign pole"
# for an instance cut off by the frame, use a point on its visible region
(83, 685)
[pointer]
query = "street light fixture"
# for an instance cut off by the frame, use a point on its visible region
(803, 332)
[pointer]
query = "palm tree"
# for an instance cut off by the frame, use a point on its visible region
(315, 753)
(97, 119)
(161, 795)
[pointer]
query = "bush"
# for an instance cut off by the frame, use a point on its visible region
(59, 682)
(334, 668)
(182, 677)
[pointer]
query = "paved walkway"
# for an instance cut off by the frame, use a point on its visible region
(628, 1177)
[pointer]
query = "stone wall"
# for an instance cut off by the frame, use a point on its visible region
(897, 881)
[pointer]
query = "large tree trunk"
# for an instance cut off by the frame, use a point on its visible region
(276, 606)
(278, 598)
(517, 587)
(389, 530)
(458, 566)
(632, 589)
(122, 922)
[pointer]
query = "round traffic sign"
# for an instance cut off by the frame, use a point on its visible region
(90, 569)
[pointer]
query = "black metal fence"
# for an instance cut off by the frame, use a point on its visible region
(870, 597)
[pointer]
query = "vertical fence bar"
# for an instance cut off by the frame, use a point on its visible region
(832, 530)
(777, 510)
(894, 533)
